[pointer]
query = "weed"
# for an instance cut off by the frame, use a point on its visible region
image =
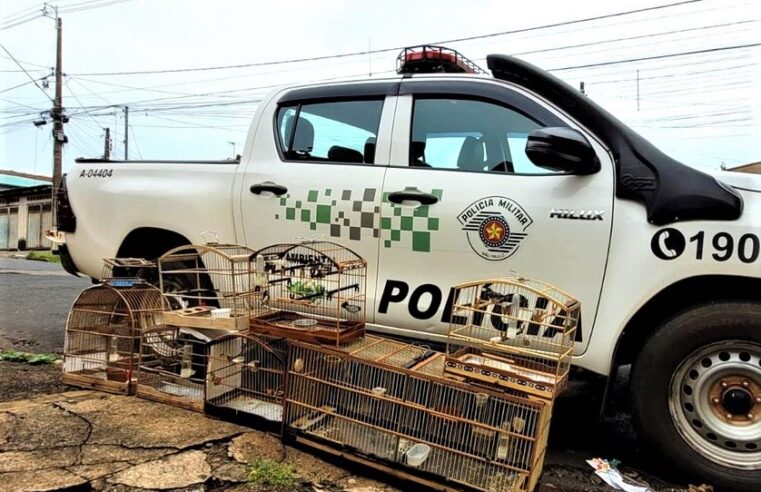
(33, 359)
(270, 472)
(43, 256)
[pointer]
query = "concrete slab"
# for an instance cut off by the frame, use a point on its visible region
(172, 472)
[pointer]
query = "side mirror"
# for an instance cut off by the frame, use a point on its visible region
(562, 149)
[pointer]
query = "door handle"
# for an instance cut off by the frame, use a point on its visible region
(268, 186)
(412, 195)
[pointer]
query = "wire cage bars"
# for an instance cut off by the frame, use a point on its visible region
(207, 286)
(246, 374)
(515, 333)
(486, 440)
(313, 291)
(173, 364)
(101, 346)
(122, 272)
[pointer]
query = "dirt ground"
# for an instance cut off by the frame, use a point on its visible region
(564, 471)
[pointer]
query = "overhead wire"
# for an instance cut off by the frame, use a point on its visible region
(396, 48)
(27, 73)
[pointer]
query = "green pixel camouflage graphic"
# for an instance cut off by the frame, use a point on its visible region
(353, 214)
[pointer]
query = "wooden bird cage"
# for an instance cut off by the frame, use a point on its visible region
(246, 376)
(173, 364)
(313, 292)
(120, 271)
(409, 422)
(207, 285)
(101, 346)
(513, 332)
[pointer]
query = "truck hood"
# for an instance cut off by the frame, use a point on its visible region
(741, 181)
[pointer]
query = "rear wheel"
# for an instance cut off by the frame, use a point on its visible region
(696, 390)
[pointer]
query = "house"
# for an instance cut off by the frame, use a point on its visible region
(26, 210)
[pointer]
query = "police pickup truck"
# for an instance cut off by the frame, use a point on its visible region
(440, 178)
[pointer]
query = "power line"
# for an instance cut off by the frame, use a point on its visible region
(632, 38)
(385, 50)
(656, 57)
(27, 73)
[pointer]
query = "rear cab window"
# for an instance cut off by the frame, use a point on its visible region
(332, 131)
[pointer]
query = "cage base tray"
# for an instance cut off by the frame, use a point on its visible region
(493, 376)
(281, 325)
(172, 397)
(267, 410)
(98, 381)
(202, 319)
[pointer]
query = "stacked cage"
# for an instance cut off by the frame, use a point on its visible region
(313, 292)
(124, 271)
(513, 333)
(246, 375)
(101, 347)
(432, 426)
(173, 365)
(208, 286)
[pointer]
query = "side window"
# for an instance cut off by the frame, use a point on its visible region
(471, 135)
(339, 131)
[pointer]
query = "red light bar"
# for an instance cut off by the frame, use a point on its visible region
(433, 59)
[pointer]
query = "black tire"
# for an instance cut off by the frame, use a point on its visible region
(674, 343)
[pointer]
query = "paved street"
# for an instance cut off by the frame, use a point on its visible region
(35, 298)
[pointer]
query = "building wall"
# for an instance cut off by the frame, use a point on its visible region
(24, 220)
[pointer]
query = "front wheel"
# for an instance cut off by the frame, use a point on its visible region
(696, 394)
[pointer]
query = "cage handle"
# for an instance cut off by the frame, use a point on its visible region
(213, 234)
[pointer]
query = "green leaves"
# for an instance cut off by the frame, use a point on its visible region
(29, 358)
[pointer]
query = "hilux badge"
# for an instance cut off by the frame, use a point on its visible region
(495, 226)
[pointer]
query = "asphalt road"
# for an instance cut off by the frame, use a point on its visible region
(35, 298)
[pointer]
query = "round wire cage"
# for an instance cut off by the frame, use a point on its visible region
(513, 332)
(313, 291)
(103, 329)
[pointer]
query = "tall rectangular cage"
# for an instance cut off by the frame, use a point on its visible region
(514, 333)
(407, 421)
(102, 340)
(313, 291)
(246, 376)
(207, 286)
(173, 365)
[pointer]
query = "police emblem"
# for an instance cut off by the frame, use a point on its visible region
(495, 226)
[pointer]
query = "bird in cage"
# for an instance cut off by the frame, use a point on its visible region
(352, 308)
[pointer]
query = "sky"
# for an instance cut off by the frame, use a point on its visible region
(704, 109)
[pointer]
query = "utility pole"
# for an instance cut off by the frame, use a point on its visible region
(107, 145)
(57, 114)
(126, 133)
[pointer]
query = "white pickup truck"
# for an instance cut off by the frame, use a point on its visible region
(437, 179)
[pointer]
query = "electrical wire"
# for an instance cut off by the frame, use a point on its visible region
(397, 48)
(27, 73)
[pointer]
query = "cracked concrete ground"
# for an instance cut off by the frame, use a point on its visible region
(84, 440)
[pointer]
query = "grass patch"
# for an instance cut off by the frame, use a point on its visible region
(27, 357)
(43, 256)
(270, 472)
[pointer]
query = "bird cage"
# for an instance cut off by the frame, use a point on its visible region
(313, 291)
(407, 419)
(387, 351)
(120, 271)
(246, 375)
(101, 346)
(513, 332)
(173, 364)
(207, 285)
